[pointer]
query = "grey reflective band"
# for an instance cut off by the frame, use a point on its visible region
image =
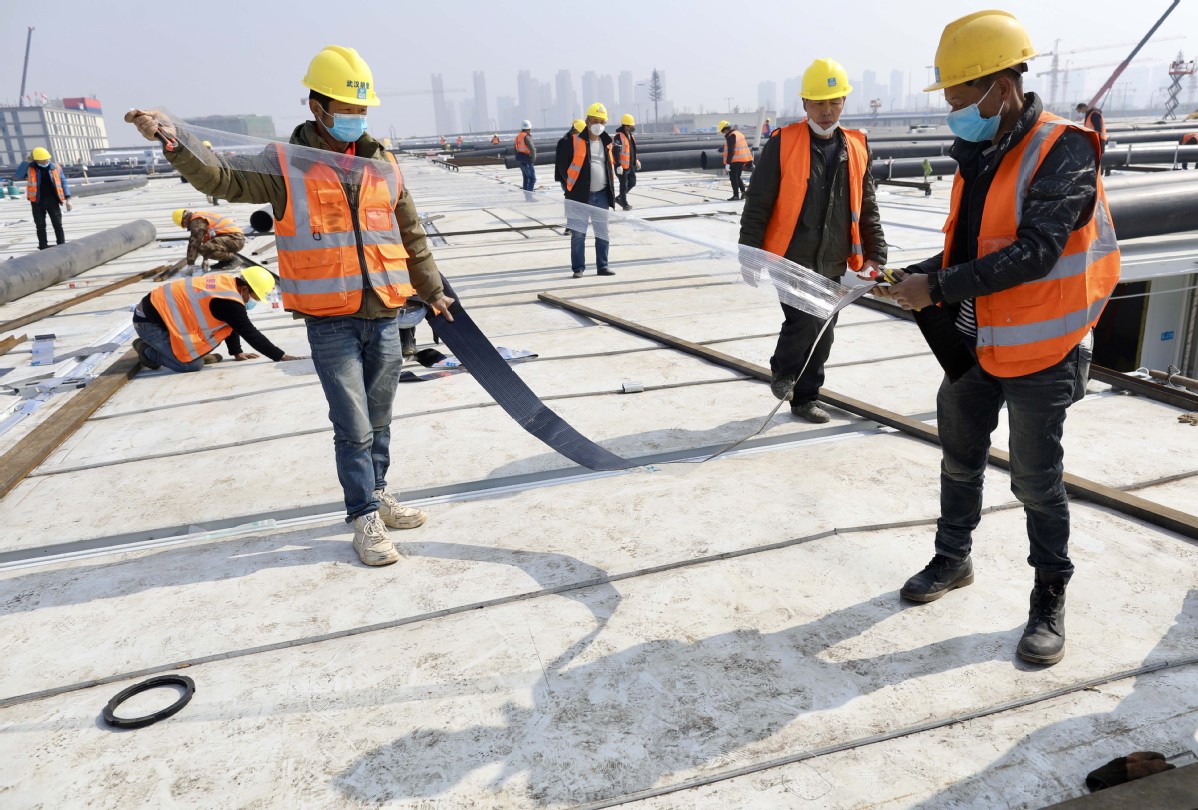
(306, 240)
(340, 284)
(1041, 330)
(1029, 163)
(297, 204)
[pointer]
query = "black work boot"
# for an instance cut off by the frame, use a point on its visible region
(1043, 639)
(407, 341)
(940, 576)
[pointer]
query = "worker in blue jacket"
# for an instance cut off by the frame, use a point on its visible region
(48, 191)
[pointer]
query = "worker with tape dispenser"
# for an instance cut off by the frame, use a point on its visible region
(352, 257)
(1029, 261)
(812, 201)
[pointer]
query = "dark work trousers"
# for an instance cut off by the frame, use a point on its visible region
(54, 208)
(627, 184)
(795, 341)
(734, 172)
(967, 413)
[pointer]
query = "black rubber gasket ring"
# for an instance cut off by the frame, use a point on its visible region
(189, 689)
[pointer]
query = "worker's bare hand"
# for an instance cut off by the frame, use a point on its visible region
(869, 270)
(292, 357)
(246, 356)
(912, 292)
(441, 306)
(150, 122)
(68, 205)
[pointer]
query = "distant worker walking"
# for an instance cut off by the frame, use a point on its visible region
(526, 158)
(180, 323)
(813, 201)
(588, 180)
(211, 237)
(737, 157)
(1092, 118)
(624, 153)
(766, 129)
(347, 277)
(1189, 139)
(47, 191)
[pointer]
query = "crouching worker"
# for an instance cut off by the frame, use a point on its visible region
(181, 322)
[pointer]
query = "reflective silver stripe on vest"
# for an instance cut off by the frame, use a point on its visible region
(340, 284)
(1029, 162)
(1041, 330)
(1104, 244)
(195, 298)
(338, 239)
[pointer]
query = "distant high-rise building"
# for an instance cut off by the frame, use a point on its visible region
(482, 109)
(627, 93)
(767, 95)
(870, 89)
(467, 119)
(897, 80)
(607, 92)
(528, 96)
(590, 88)
(440, 108)
(508, 113)
(792, 104)
(566, 107)
(544, 107)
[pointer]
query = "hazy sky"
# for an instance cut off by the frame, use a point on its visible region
(201, 59)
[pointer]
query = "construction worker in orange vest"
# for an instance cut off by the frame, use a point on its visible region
(47, 191)
(627, 163)
(1188, 139)
(351, 282)
(1092, 118)
(1029, 261)
(526, 158)
(737, 157)
(495, 139)
(812, 201)
(586, 168)
(210, 236)
(180, 323)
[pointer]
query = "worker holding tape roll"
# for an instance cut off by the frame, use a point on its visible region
(351, 253)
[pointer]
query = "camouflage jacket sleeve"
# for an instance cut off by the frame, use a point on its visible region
(248, 178)
(196, 230)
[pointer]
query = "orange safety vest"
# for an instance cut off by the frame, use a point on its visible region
(31, 186)
(217, 224)
(494, 139)
(626, 142)
(1090, 123)
(186, 307)
(1189, 138)
(1035, 324)
(582, 153)
(794, 155)
(740, 149)
(521, 143)
(319, 268)
(459, 140)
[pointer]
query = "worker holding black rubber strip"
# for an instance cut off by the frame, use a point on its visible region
(812, 201)
(1029, 261)
(351, 253)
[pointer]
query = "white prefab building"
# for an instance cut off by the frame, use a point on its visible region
(70, 128)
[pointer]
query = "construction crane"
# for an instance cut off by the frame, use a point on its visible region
(1056, 71)
(1177, 69)
(1069, 68)
(1102, 91)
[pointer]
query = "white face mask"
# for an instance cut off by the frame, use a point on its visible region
(597, 129)
(818, 130)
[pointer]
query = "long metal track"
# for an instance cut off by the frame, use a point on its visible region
(1140, 508)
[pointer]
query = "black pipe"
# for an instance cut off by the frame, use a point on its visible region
(1116, 157)
(107, 187)
(885, 151)
(1146, 179)
(42, 268)
(1154, 210)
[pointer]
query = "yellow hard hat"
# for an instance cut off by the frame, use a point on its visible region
(825, 79)
(259, 279)
(597, 110)
(177, 216)
(723, 125)
(579, 125)
(628, 121)
(207, 143)
(341, 74)
(40, 153)
(977, 45)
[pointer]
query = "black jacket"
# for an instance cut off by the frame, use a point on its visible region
(563, 154)
(1059, 200)
(821, 240)
(631, 150)
(582, 187)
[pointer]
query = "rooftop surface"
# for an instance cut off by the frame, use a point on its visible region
(717, 635)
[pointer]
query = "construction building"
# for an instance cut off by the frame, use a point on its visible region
(69, 127)
(256, 126)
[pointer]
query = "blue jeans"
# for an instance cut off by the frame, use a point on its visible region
(358, 362)
(967, 413)
(530, 175)
(158, 347)
(577, 218)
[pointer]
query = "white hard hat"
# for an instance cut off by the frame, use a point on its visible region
(526, 124)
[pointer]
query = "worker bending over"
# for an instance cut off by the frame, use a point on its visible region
(181, 322)
(211, 237)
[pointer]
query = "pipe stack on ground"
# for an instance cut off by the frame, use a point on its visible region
(107, 187)
(38, 270)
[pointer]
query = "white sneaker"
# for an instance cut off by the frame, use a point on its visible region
(372, 542)
(396, 515)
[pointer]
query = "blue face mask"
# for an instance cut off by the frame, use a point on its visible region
(43, 164)
(968, 123)
(347, 128)
(250, 304)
